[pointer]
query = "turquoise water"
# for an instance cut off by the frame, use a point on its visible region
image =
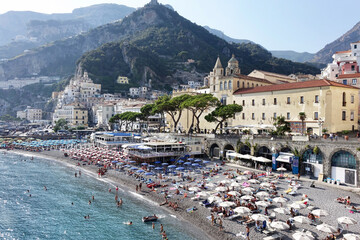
(50, 214)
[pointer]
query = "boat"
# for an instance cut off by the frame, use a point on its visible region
(150, 219)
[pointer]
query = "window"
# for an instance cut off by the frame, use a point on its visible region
(225, 85)
(253, 116)
(316, 116)
(352, 99)
(288, 100)
(263, 101)
(343, 115)
(252, 85)
(344, 81)
(248, 85)
(253, 102)
(352, 116)
(352, 67)
(301, 99)
(275, 101)
(274, 115)
(288, 116)
(243, 102)
(229, 85)
(344, 99)
(263, 116)
(243, 84)
(214, 88)
(257, 85)
(243, 115)
(221, 86)
(354, 82)
(316, 98)
(355, 46)
(238, 84)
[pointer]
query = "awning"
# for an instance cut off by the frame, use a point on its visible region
(262, 159)
(284, 158)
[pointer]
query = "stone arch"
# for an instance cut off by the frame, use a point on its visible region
(244, 149)
(350, 160)
(227, 147)
(214, 150)
(343, 168)
(264, 151)
(307, 154)
(285, 149)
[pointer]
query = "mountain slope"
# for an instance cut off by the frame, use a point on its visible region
(292, 55)
(340, 44)
(222, 35)
(148, 38)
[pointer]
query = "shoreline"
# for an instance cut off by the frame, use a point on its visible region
(196, 222)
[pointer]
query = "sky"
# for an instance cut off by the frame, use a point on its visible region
(299, 25)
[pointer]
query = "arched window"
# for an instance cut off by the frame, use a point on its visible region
(238, 84)
(243, 84)
(252, 85)
(248, 85)
(343, 159)
(309, 156)
(344, 99)
(229, 85)
(221, 86)
(225, 85)
(257, 85)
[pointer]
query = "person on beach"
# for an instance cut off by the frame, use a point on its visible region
(140, 184)
(137, 188)
(117, 188)
(79, 173)
(116, 198)
(212, 219)
(121, 201)
(109, 189)
(220, 225)
(93, 198)
(89, 202)
(45, 188)
(247, 232)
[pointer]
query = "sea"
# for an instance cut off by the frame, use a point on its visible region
(28, 211)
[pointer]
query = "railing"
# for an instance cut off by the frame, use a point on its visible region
(155, 154)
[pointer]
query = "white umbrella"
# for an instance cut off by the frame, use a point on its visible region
(194, 189)
(265, 184)
(226, 204)
(282, 210)
(259, 217)
(220, 189)
(326, 228)
(234, 193)
(248, 189)
(235, 184)
(281, 169)
(297, 205)
(351, 236)
(225, 181)
(320, 212)
(346, 220)
(240, 178)
(254, 181)
(280, 200)
(303, 236)
(210, 185)
(302, 219)
(212, 199)
(262, 203)
(202, 194)
(262, 194)
(247, 197)
(279, 225)
(242, 210)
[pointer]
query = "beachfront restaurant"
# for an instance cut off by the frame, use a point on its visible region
(114, 140)
(157, 151)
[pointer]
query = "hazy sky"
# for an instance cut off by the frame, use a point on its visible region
(300, 25)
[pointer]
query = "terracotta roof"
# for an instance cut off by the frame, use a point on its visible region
(246, 77)
(353, 75)
(347, 51)
(289, 86)
(274, 74)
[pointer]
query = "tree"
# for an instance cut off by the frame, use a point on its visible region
(222, 113)
(302, 117)
(60, 124)
(146, 111)
(197, 104)
(281, 126)
(172, 106)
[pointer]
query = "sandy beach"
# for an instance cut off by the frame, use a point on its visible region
(197, 222)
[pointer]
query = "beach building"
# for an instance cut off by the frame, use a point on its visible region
(114, 139)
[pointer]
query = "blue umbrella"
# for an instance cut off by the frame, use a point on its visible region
(120, 163)
(132, 161)
(180, 168)
(150, 166)
(157, 162)
(127, 165)
(197, 160)
(187, 155)
(183, 158)
(158, 168)
(171, 166)
(164, 164)
(149, 173)
(187, 163)
(140, 171)
(172, 160)
(144, 164)
(190, 159)
(114, 161)
(180, 161)
(205, 162)
(195, 164)
(133, 168)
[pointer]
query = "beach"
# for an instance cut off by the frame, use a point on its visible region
(199, 225)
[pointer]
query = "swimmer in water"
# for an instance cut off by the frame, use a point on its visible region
(93, 198)
(87, 217)
(153, 225)
(72, 203)
(45, 188)
(128, 223)
(89, 202)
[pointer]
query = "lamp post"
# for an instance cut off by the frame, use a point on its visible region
(320, 122)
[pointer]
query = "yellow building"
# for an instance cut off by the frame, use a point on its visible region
(326, 104)
(80, 115)
(272, 77)
(122, 80)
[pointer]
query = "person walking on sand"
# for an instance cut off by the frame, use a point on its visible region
(220, 225)
(247, 232)
(212, 219)
(137, 188)
(298, 176)
(140, 184)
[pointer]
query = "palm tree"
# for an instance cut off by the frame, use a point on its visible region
(302, 117)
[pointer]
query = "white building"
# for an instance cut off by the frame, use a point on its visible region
(30, 114)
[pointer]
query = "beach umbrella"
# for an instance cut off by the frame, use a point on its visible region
(151, 166)
(164, 164)
(259, 217)
(247, 172)
(212, 199)
(351, 236)
(144, 164)
(187, 163)
(240, 178)
(210, 185)
(247, 197)
(265, 184)
(262, 203)
(225, 181)
(226, 204)
(280, 200)
(158, 168)
(235, 184)
(172, 160)
(202, 194)
(326, 228)
(297, 205)
(282, 210)
(279, 225)
(206, 162)
(242, 210)
(172, 166)
(140, 171)
(195, 165)
(302, 219)
(221, 189)
(157, 162)
(254, 181)
(114, 162)
(190, 159)
(197, 160)
(180, 161)
(262, 194)
(248, 189)
(346, 220)
(194, 189)
(303, 236)
(320, 212)
(132, 161)
(234, 193)
(180, 168)
(133, 168)
(281, 169)
(149, 174)
(246, 184)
